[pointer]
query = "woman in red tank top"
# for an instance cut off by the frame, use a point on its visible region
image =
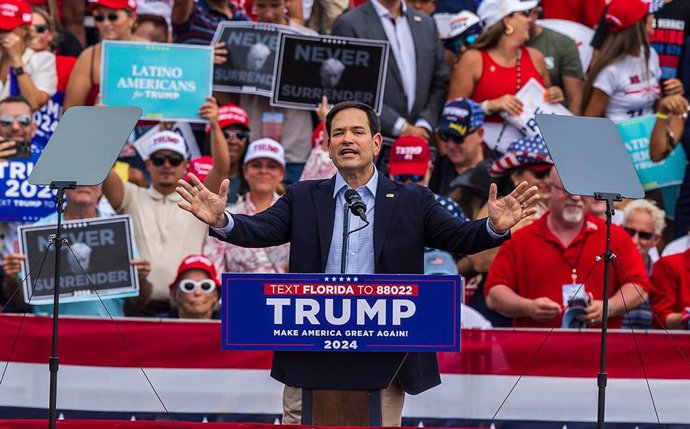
(498, 65)
(115, 21)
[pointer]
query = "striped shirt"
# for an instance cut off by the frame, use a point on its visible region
(202, 24)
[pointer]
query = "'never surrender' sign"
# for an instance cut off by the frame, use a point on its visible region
(319, 312)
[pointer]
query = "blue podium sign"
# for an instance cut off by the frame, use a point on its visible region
(358, 313)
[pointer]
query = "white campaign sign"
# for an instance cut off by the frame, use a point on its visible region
(532, 97)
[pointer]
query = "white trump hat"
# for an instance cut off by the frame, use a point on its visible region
(492, 11)
(265, 148)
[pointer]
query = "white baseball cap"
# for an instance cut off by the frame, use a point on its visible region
(451, 25)
(492, 11)
(265, 148)
(167, 140)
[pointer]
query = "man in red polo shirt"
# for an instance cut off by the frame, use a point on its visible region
(550, 258)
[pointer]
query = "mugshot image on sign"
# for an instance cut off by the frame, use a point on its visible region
(257, 56)
(331, 71)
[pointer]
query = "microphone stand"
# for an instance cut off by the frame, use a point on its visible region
(346, 237)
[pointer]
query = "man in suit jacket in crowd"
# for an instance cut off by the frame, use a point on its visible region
(404, 219)
(417, 75)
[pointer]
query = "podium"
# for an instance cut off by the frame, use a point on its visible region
(339, 389)
(342, 339)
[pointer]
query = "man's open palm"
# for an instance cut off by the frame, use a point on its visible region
(202, 203)
(505, 212)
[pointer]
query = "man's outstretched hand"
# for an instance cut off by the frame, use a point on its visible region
(202, 203)
(505, 212)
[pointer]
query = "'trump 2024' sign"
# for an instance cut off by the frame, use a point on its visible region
(328, 312)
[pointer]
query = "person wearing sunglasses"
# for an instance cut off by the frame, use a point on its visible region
(264, 171)
(409, 161)
(645, 222)
(498, 65)
(195, 293)
(23, 71)
(114, 20)
(458, 32)
(527, 160)
(228, 134)
(460, 136)
(534, 270)
(164, 233)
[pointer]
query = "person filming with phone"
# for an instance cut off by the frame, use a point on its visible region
(16, 128)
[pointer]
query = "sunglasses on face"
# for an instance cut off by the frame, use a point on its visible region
(8, 120)
(174, 160)
(541, 173)
(402, 178)
(644, 235)
(112, 17)
(448, 137)
(40, 29)
(239, 135)
(189, 286)
(525, 13)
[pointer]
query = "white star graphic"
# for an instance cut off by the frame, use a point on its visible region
(355, 279)
(348, 278)
(332, 279)
(341, 279)
(325, 279)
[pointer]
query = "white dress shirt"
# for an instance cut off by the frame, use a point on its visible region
(402, 45)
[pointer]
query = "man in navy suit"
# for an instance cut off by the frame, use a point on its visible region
(404, 219)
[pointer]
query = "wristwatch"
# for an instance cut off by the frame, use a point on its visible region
(17, 71)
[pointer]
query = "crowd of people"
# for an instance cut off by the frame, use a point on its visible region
(452, 79)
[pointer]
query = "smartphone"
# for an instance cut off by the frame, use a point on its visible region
(23, 150)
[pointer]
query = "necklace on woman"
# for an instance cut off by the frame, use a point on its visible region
(518, 71)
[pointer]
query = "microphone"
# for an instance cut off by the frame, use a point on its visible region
(357, 206)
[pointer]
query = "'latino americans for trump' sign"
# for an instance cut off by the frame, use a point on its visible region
(635, 134)
(97, 258)
(169, 82)
(250, 64)
(342, 69)
(324, 312)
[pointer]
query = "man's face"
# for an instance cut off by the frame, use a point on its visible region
(270, 11)
(351, 145)
(567, 208)
(463, 153)
(164, 172)
(86, 197)
(639, 223)
(16, 123)
(197, 304)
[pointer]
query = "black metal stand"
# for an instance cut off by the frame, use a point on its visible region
(602, 377)
(54, 362)
(346, 237)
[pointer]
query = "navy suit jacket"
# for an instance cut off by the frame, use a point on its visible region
(432, 70)
(407, 218)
